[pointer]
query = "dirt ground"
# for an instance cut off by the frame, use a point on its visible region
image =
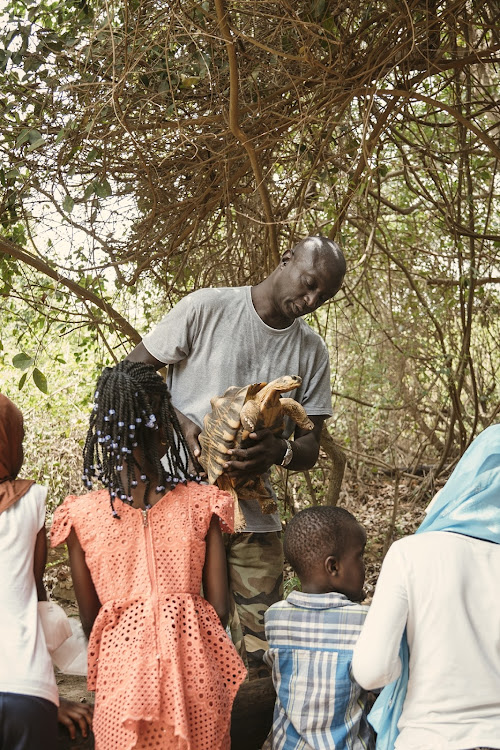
(74, 688)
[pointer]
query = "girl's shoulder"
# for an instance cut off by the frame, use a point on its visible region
(97, 497)
(73, 510)
(215, 501)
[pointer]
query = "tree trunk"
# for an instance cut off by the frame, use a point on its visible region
(338, 459)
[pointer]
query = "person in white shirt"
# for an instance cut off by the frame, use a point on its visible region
(29, 701)
(433, 629)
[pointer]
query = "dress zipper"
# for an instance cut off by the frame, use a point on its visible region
(152, 578)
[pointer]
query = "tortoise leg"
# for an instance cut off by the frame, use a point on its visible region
(296, 411)
(225, 483)
(248, 417)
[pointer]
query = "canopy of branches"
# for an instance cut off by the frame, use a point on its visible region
(148, 148)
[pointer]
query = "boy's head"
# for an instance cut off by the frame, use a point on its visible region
(11, 439)
(325, 547)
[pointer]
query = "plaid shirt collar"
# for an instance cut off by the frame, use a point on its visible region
(318, 601)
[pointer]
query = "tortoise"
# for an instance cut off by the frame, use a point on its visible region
(234, 415)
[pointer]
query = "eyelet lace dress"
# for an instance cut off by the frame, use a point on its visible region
(163, 668)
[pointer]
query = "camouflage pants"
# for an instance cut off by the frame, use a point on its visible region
(255, 569)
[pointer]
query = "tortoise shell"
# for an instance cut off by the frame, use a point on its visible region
(234, 415)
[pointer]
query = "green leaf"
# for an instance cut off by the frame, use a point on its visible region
(89, 190)
(40, 380)
(103, 189)
(23, 136)
(36, 144)
(68, 204)
(22, 380)
(188, 81)
(34, 135)
(93, 154)
(60, 136)
(22, 361)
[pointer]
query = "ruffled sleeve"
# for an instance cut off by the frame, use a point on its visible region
(61, 522)
(222, 505)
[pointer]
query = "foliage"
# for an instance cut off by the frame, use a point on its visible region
(179, 145)
(56, 421)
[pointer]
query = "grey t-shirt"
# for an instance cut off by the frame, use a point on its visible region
(214, 338)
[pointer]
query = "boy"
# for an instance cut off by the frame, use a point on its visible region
(312, 634)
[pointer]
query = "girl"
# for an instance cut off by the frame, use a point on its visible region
(437, 598)
(28, 692)
(164, 671)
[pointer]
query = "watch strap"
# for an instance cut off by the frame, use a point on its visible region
(288, 454)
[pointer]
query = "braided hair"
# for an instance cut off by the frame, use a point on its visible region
(131, 401)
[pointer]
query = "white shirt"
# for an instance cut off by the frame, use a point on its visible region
(25, 663)
(445, 588)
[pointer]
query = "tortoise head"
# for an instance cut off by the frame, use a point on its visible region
(285, 383)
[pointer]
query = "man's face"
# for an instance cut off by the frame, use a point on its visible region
(307, 281)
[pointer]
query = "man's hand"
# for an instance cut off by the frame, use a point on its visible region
(269, 449)
(258, 458)
(191, 432)
(70, 714)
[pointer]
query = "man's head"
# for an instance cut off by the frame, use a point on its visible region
(308, 275)
(325, 547)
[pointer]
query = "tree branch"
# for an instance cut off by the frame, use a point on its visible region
(240, 134)
(9, 248)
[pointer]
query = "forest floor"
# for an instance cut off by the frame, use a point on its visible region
(372, 502)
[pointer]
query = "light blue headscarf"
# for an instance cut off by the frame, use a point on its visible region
(468, 504)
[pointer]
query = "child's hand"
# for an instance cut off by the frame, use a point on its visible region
(71, 713)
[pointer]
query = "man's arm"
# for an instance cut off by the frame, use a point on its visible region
(141, 354)
(269, 450)
(188, 427)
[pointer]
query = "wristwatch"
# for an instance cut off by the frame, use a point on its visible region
(288, 454)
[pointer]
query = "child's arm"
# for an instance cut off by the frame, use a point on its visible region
(215, 586)
(69, 713)
(86, 595)
(39, 562)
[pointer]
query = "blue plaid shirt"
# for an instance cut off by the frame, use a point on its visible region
(318, 706)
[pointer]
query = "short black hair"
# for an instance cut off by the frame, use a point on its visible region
(131, 402)
(315, 533)
(326, 250)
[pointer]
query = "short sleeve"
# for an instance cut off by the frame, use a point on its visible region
(315, 392)
(41, 498)
(170, 341)
(61, 522)
(222, 505)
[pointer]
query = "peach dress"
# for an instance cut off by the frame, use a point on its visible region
(163, 668)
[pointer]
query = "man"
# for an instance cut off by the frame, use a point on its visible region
(216, 338)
